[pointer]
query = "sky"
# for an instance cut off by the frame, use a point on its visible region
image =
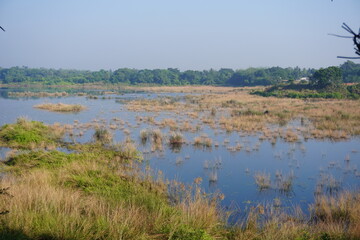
(186, 34)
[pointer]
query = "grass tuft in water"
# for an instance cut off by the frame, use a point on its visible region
(262, 180)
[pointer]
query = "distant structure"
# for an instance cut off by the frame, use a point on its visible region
(2, 28)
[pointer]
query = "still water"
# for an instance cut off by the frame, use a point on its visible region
(230, 172)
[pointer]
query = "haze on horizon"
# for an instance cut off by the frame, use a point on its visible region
(198, 35)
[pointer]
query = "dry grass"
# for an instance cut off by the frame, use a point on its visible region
(102, 197)
(237, 110)
(99, 196)
(60, 107)
(338, 216)
(203, 141)
(262, 180)
(41, 209)
(183, 89)
(38, 94)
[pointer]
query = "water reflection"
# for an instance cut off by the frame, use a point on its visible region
(226, 161)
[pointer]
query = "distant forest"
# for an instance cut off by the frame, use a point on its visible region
(170, 76)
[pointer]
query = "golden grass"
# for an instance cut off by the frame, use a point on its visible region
(338, 215)
(183, 89)
(79, 201)
(60, 107)
(238, 110)
(41, 209)
(203, 141)
(103, 197)
(38, 94)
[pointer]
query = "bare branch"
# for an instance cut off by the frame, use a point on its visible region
(355, 37)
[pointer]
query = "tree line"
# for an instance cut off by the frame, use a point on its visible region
(170, 76)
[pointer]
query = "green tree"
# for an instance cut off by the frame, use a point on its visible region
(326, 78)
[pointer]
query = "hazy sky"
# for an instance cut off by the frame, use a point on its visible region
(184, 34)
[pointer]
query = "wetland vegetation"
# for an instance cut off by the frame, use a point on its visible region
(181, 163)
(60, 107)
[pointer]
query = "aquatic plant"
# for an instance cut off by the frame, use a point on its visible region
(102, 135)
(144, 135)
(262, 180)
(285, 183)
(60, 107)
(176, 138)
(38, 94)
(157, 136)
(213, 175)
(203, 141)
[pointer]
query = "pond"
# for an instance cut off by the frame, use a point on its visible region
(297, 171)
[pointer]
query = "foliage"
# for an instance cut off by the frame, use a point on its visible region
(332, 91)
(326, 78)
(350, 72)
(41, 159)
(170, 76)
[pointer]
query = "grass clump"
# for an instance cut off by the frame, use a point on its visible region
(176, 138)
(102, 135)
(262, 180)
(28, 134)
(284, 183)
(60, 107)
(40, 159)
(155, 135)
(337, 216)
(203, 141)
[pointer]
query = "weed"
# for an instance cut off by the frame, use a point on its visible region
(262, 180)
(60, 107)
(29, 134)
(102, 135)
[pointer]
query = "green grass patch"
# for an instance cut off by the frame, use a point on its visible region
(40, 159)
(27, 134)
(306, 91)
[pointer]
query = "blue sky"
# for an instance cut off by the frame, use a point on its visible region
(197, 34)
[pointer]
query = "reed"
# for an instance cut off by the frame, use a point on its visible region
(176, 138)
(60, 107)
(203, 141)
(102, 135)
(262, 180)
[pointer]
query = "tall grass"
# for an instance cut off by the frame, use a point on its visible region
(60, 107)
(262, 180)
(91, 197)
(102, 135)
